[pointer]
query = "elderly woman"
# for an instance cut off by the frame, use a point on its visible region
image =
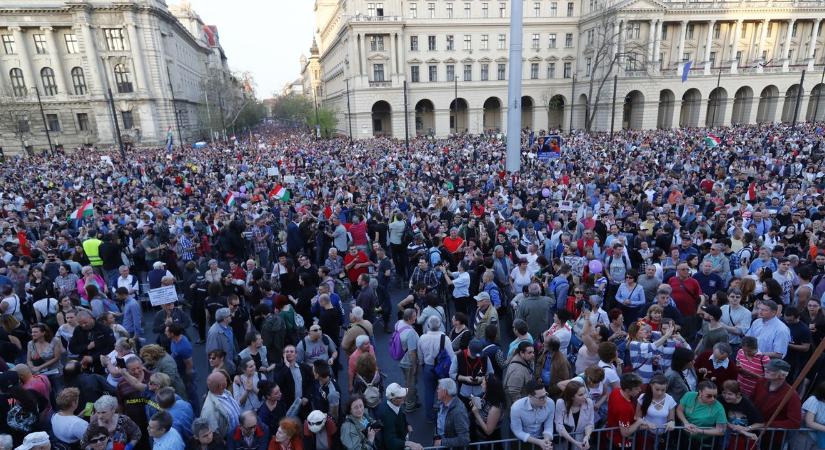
(115, 361)
(703, 416)
(158, 360)
(204, 437)
(357, 432)
(123, 430)
(289, 435)
(97, 438)
(89, 278)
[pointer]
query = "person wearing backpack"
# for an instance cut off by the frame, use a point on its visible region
(317, 346)
(404, 349)
(470, 369)
(437, 357)
(362, 346)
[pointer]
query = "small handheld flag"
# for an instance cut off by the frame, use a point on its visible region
(279, 192)
(712, 141)
(230, 200)
(85, 210)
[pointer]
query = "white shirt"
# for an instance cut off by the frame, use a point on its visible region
(69, 429)
(659, 416)
(13, 308)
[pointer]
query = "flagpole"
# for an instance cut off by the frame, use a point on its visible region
(798, 100)
(716, 102)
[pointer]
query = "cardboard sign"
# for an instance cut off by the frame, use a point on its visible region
(163, 295)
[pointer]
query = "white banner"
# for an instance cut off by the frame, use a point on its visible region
(163, 295)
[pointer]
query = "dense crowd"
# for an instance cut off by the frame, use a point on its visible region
(653, 289)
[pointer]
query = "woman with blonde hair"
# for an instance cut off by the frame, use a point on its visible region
(156, 358)
(124, 349)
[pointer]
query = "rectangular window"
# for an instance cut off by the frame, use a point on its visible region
(634, 30)
(554, 9)
(23, 125)
(485, 72)
(534, 71)
(536, 9)
(568, 40)
(431, 10)
(8, 44)
(764, 55)
(450, 72)
(588, 66)
(71, 43)
(377, 72)
(485, 41)
(450, 42)
(52, 122)
(664, 31)
(468, 42)
(114, 39)
(371, 9)
(712, 61)
(413, 10)
(82, 122)
(502, 9)
(377, 43)
(413, 43)
(568, 70)
(686, 57)
(468, 12)
(501, 72)
(551, 71)
(379, 10)
(433, 73)
(128, 120)
(717, 30)
(793, 30)
(631, 63)
(590, 34)
(552, 40)
(485, 10)
(535, 43)
(569, 9)
(468, 72)
(431, 43)
(689, 31)
(502, 41)
(415, 76)
(40, 44)
(449, 10)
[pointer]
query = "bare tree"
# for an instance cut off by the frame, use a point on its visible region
(18, 116)
(224, 99)
(607, 49)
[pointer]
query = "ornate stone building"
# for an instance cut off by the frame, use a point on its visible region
(72, 52)
(745, 60)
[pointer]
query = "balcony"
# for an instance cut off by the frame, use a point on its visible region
(367, 18)
(381, 84)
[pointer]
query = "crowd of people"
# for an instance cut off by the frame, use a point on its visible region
(650, 289)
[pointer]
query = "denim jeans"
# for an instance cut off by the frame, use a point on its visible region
(430, 384)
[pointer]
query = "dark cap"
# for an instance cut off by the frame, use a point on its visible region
(777, 365)
(713, 310)
(476, 347)
(8, 380)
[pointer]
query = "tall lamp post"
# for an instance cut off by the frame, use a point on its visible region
(455, 102)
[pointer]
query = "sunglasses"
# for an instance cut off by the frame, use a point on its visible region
(315, 424)
(98, 440)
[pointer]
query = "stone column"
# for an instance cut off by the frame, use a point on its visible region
(786, 48)
(92, 59)
(650, 42)
(56, 61)
(539, 117)
(394, 65)
(476, 118)
(657, 43)
(708, 45)
(442, 122)
(754, 110)
(25, 59)
(616, 36)
(136, 49)
(735, 46)
(680, 50)
(812, 45)
(766, 23)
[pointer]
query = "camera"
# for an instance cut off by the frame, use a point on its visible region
(376, 425)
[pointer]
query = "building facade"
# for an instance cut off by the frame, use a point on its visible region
(744, 64)
(73, 52)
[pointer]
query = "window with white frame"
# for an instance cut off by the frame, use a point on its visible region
(485, 41)
(535, 41)
(534, 71)
(552, 40)
(468, 42)
(568, 70)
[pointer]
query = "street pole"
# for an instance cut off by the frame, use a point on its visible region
(349, 113)
(455, 103)
(819, 94)
(174, 107)
(613, 113)
(572, 101)
(43, 116)
(209, 117)
(317, 122)
(798, 99)
(716, 102)
(117, 125)
(514, 88)
(406, 120)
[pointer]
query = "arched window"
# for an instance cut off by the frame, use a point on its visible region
(49, 85)
(18, 83)
(79, 81)
(122, 79)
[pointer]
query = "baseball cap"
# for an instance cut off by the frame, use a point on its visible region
(481, 296)
(35, 439)
(476, 347)
(713, 310)
(777, 365)
(395, 390)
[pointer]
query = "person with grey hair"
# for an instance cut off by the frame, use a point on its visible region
(716, 365)
(125, 430)
(358, 327)
(6, 442)
(429, 346)
(534, 310)
(220, 336)
(163, 435)
(453, 424)
(204, 437)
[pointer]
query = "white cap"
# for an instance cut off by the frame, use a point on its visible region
(35, 439)
(395, 390)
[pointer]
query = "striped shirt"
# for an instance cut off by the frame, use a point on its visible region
(756, 364)
(664, 354)
(642, 355)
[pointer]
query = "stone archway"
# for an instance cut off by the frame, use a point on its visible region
(633, 111)
(789, 107)
(689, 113)
(816, 104)
(527, 112)
(667, 104)
(381, 119)
(768, 99)
(424, 117)
(717, 104)
(555, 112)
(492, 114)
(742, 105)
(459, 121)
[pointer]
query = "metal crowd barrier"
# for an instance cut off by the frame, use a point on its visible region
(677, 439)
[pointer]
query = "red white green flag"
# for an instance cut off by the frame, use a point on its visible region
(86, 209)
(230, 200)
(279, 192)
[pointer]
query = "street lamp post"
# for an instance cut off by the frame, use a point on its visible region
(43, 115)
(455, 102)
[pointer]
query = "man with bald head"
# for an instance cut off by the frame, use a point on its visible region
(36, 383)
(220, 408)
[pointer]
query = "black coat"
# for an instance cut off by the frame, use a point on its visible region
(101, 335)
(283, 376)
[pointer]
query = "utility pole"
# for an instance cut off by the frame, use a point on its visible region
(819, 94)
(514, 88)
(798, 99)
(174, 106)
(349, 113)
(117, 125)
(455, 102)
(716, 102)
(209, 116)
(317, 122)
(613, 113)
(572, 101)
(43, 115)
(406, 120)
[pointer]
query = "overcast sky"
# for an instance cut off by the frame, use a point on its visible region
(265, 37)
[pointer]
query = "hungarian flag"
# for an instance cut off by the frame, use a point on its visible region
(86, 210)
(279, 192)
(230, 200)
(712, 141)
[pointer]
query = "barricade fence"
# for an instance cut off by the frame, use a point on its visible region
(662, 439)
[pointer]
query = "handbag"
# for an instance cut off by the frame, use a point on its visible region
(8, 321)
(21, 420)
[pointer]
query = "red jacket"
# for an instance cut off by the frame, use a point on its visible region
(789, 417)
(718, 376)
(685, 294)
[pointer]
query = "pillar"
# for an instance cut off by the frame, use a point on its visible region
(657, 43)
(786, 48)
(136, 50)
(394, 66)
(442, 122)
(25, 59)
(651, 42)
(56, 61)
(703, 111)
(677, 111)
(615, 36)
(708, 45)
(92, 60)
(650, 116)
(812, 45)
(734, 65)
(539, 117)
(766, 23)
(476, 118)
(680, 50)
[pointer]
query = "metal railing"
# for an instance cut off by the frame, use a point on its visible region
(660, 439)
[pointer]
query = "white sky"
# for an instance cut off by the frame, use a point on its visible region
(265, 37)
